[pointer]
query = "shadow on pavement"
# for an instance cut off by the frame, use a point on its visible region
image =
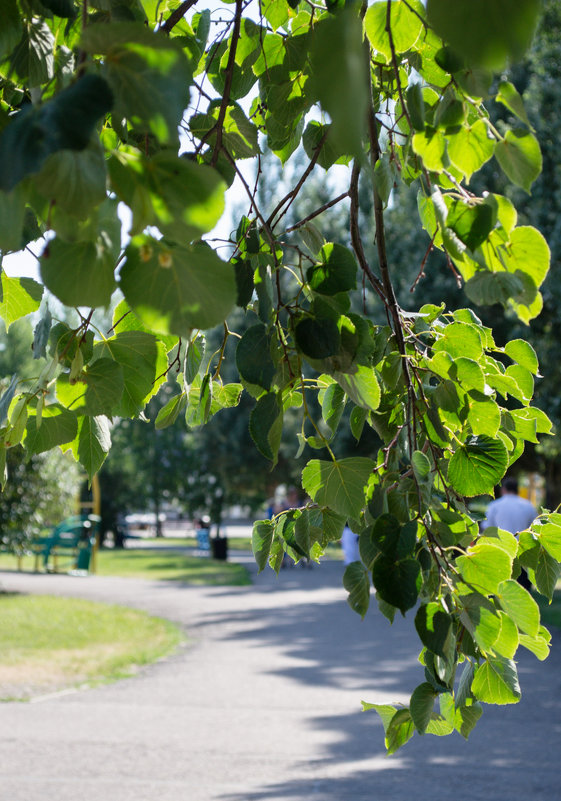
(511, 756)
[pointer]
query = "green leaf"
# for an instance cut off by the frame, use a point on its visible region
(265, 426)
(400, 729)
(421, 466)
(357, 583)
(486, 32)
(58, 426)
(18, 297)
(74, 180)
(547, 574)
(509, 97)
(7, 397)
(253, 356)
(148, 73)
(500, 539)
(486, 289)
(528, 252)
(470, 148)
(361, 386)
(392, 539)
(405, 23)
(204, 287)
(65, 122)
(275, 12)
(430, 145)
(507, 642)
(239, 135)
(244, 282)
(549, 536)
(433, 626)
(199, 406)
(472, 223)
(11, 28)
(415, 106)
(33, 57)
(317, 338)
(520, 158)
(523, 353)
(466, 718)
(92, 444)
(143, 361)
(336, 272)
(460, 340)
(340, 484)
(337, 78)
(261, 541)
(169, 413)
(421, 706)
(384, 711)
(124, 319)
(484, 567)
(104, 382)
(477, 466)
(193, 358)
(482, 622)
(12, 214)
(496, 682)
(80, 273)
(398, 583)
(484, 417)
(182, 198)
(519, 606)
(537, 645)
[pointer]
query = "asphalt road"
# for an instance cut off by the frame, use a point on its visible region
(263, 704)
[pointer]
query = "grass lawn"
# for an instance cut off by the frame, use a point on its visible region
(170, 565)
(51, 643)
(154, 564)
(234, 543)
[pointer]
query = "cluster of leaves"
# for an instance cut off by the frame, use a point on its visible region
(129, 103)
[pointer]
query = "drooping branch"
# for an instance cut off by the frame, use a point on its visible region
(228, 83)
(356, 238)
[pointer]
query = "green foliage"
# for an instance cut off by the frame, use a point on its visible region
(91, 111)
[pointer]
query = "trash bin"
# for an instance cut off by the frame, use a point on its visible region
(219, 547)
(84, 555)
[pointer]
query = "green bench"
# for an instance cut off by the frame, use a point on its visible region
(69, 546)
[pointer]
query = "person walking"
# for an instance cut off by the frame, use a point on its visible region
(511, 513)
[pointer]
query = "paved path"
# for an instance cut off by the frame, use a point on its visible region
(263, 704)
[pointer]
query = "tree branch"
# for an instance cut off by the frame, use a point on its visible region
(228, 83)
(177, 15)
(356, 238)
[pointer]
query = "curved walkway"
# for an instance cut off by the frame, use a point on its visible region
(263, 704)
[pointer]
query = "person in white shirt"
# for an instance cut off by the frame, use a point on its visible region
(511, 513)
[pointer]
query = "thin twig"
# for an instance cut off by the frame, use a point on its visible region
(318, 211)
(421, 273)
(394, 62)
(290, 197)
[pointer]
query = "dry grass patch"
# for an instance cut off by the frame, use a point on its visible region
(51, 643)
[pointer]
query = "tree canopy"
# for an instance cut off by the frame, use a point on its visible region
(109, 105)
